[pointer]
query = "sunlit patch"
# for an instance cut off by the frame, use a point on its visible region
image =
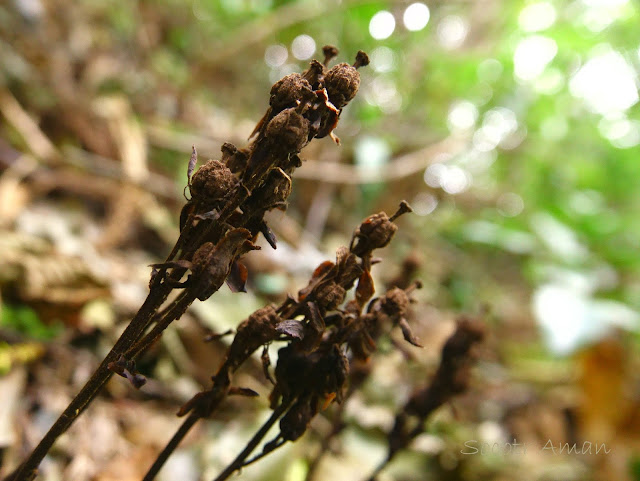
(416, 16)
(424, 203)
(489, 70)
(550, 82)
(606, 83)
(476, 161)
(510, 240)
(382, 92)
(532, 55)
(382, 25)
(462, 115)
(276, 55)
(450, 178)
(537, 16)
(570, 317)
(599, 14)
(383, 59)
(586, 202)
(620, 131)
(303, 47)
(554, 127)
(434, 174)
(510, 204)
(371, 153)
(497, 126)
(558, 237)
(452, 30)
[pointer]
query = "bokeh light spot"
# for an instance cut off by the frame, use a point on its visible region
(303, 47)
(382, 25)
(276, 55)
(416, 16)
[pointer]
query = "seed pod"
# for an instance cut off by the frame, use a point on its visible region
(375, 232)
(343, 81)
(289, 131)
(395, 302)
(258, 329)
(289, 89)
(212, 182)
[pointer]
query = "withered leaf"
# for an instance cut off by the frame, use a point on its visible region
(268, 234)
(237, 278)
(292, 328)
(192, 163)
(322, 269)
(315, 316)
(365, 288)
(242, 391)
(266, 362)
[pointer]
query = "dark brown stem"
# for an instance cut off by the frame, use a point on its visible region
(253, 443)
(27, 470)
(171, 446)
(171, 313)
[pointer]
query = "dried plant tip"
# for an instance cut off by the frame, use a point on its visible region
(362, 60)
(375, 232)
(417, 284)
(329, 52)
(342, 83)
(403, 209)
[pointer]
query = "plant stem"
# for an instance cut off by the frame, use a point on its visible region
(253, 442)
(171, 446)
(28, 469)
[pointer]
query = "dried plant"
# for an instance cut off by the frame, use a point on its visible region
(322, 335)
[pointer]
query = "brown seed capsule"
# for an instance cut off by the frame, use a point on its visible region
(395, 302)
(212, 182)
(289, 131)
(343, 80)
(375, 232)
(289, 89)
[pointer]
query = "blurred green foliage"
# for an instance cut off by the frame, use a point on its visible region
(25, 320)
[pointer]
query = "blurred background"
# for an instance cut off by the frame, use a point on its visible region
(511, 127)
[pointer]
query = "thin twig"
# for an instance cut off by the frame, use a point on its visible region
(237, 463)
(171, 446)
